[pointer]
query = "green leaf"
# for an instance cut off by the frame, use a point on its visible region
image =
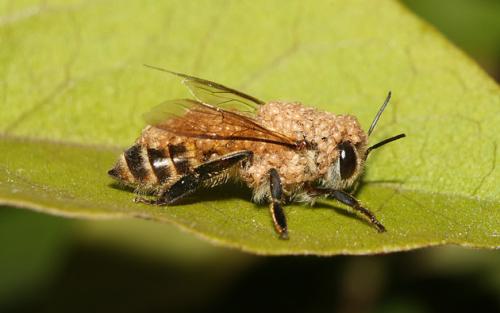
(72, 81)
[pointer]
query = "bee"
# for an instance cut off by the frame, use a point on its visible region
(284, 151)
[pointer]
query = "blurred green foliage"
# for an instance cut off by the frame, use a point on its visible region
(134, 266)
(33, 248)
(473, 25)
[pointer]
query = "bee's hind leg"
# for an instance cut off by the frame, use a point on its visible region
(349, 200)
(190, 182)
(157, 201)
(277, 213)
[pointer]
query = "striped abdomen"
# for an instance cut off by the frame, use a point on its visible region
(143, 166)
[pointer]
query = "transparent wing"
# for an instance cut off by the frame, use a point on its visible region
(191, 118)
(216, 94)
(166, 111)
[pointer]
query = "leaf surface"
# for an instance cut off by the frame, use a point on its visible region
(72, 82)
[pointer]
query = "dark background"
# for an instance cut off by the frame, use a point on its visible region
(51, 264)
(473, 25)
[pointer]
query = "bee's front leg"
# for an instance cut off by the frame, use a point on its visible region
(349, 200)
(277, 213)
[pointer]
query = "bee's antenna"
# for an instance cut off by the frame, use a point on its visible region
(374, 123)
(383, 142)
(382, 108)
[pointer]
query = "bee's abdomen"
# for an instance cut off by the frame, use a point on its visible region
(160, 165)
(151, 166)
(179, 158)
(135, 163)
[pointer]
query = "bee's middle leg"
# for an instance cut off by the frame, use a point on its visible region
(277, 213)
(190, 182)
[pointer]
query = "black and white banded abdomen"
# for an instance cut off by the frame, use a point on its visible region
(149, 167)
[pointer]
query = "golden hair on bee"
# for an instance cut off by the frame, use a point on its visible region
(283, 151)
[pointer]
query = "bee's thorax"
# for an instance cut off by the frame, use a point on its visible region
(324, 130)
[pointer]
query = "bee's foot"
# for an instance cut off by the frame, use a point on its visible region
(284, 235)
(145, 201)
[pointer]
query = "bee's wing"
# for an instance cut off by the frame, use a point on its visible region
(216, 94)
(201, 120)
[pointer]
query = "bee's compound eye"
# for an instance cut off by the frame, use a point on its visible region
(347, 159)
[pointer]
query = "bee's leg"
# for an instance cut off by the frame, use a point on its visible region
(277, 213)
(149, 201)
(188, 183)
(349, 200)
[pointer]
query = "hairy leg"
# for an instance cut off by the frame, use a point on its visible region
(349, 200)
(188, 183)
(277, 213)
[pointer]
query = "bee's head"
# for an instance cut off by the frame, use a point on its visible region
(349, 164)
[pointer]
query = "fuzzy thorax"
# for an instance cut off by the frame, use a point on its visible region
(323, 130)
